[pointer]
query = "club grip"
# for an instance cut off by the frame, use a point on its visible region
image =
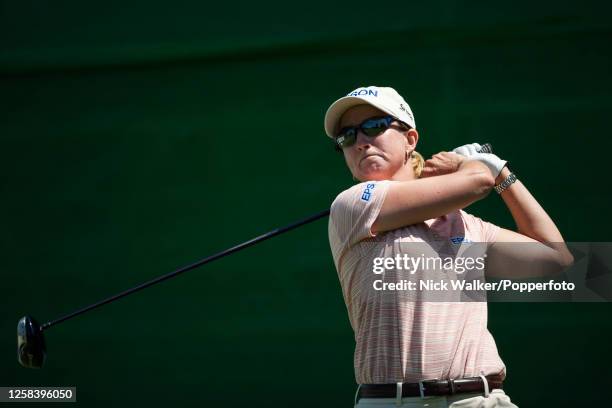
(486, 148)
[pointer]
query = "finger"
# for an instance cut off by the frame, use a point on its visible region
(452, 154)
(465, 150)
(427, 173)
(428, 168)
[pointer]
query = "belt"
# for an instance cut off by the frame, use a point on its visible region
(430, 387)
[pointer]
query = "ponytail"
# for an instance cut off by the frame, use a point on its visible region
(417, 163)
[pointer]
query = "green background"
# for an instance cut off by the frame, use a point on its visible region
(138, 137)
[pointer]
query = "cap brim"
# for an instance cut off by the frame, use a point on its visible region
(337, 109)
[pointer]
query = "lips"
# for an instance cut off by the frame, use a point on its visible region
(369, 155)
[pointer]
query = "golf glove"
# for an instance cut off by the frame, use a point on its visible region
(471, 151)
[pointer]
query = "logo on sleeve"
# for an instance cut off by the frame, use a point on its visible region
(367, 193)
(459, 240)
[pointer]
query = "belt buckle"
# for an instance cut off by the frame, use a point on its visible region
(422, 389)
(453, 387)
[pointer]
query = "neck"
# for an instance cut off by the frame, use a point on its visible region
(404, 174)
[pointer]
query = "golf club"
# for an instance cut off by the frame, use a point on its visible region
(31, 349)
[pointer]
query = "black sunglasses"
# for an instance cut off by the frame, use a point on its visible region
(371, 127)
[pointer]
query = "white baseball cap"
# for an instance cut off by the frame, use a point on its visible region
(384, 98)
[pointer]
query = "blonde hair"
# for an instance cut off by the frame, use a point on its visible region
(417, 163)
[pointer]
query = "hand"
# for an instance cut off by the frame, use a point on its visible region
(494, 163)
(442, 163)
(468, 150)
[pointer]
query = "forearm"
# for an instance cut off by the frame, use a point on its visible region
(413, 201)
(481, 178)
(530, 218)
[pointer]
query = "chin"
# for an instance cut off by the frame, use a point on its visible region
(373, 176)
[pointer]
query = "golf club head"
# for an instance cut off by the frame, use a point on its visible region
(31, 350)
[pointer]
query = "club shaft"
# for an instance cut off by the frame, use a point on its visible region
(486, 148)
(189, 267)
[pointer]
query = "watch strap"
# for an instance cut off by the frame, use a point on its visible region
(508, 181)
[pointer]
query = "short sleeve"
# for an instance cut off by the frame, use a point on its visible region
(481, 231)
(353, 213)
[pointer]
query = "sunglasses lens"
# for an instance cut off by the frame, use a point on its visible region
(346, 137)
(374, 127)
(370, 127)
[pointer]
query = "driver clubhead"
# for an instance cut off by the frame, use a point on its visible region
(31, 350)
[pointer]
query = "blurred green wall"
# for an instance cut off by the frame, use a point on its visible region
(138, 137)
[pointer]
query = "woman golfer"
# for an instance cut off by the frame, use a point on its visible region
(410, 352)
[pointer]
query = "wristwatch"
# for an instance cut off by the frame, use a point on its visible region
(506, 183)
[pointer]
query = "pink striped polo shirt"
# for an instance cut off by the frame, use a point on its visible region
(397, 337)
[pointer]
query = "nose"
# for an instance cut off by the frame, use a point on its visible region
(362, 141)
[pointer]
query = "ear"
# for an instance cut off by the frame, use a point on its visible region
(412, 138)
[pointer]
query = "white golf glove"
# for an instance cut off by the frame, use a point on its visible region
(494, 163)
